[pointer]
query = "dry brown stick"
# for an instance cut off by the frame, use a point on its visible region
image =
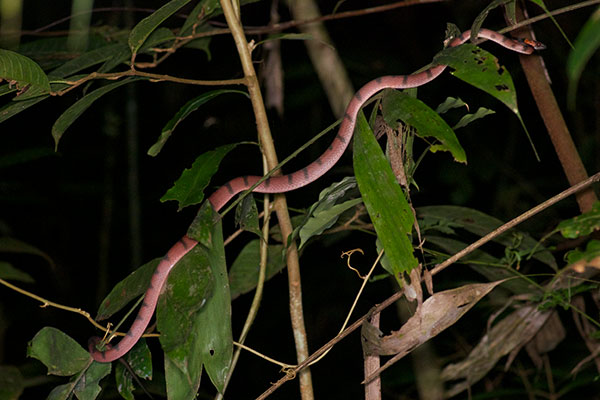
(556, 126)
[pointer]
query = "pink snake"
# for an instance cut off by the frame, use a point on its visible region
(286, 183)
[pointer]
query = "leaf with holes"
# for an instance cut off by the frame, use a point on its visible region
(481, 69)
(582, 225)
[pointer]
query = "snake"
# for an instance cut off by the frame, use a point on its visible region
(286, 183)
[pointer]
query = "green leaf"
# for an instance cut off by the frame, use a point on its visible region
(189, 188)
(246, 216)
(88, 387)
(449, 104)
(214, 334)
(25, 156)
(188, 287)
(12, 245)
(62, 355)
(12, 382)
(140, 359)
(124, 382)
(13, 108)
(484, 264)
(582, 225)
(183, 112)
(586, 44)
(447, 219)
(157, 38)
(202, 226)
(468, 118)
(201, 12)
(324, 219)
(478, 22)
(388, 208)
(134, 285)
(75, 110)
(592, 251)
(482, 70)
(25, 73)
(243, 274)
(398, 106)
(8, 272)
(87, 60)
(210, 342)
(320, 215)
(145, 27)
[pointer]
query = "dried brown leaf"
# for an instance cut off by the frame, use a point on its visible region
(511, 333)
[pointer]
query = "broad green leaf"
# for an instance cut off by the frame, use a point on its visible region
(582, 225)
(62, 355)
(145, 27)
(12, 245)
(586, 44)
(324, 219)
(189, 188)
(482, 70)
(468, 118)
(134, 285)
(74, 111)
(188, 287)
(88, 388)
(449, 218)
(210, 342)
(12, 382)
(388, 208)
(87, 60)
(243, 274)
(25, 74)
(398, 106)
(183, 112)
(8, 272)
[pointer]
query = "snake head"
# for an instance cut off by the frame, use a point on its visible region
(536, 45)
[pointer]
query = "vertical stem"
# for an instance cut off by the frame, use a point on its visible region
(558, 131)
(280, 204)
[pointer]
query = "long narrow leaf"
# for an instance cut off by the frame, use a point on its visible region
(388, 208)
(73, 112)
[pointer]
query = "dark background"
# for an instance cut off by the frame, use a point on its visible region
(61, 203)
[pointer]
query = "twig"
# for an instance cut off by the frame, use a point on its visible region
(48, 303)
(514, 222)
